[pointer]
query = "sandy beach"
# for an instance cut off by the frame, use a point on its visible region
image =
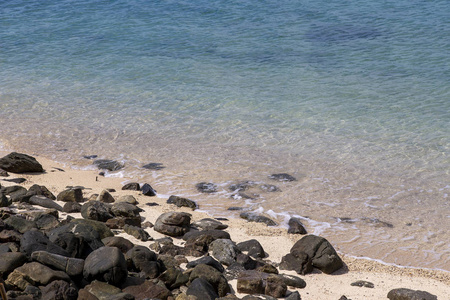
(276, 241)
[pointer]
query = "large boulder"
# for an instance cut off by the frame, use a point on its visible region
(20, 224)
(10, 261)
(72, 266)
(35, 274)
(148, 290)
(44, 202)
(142, 259)
(20, 163)
(71, 195)
(124, 209)
(224, 250)
(202, 289)
(97, 211)
(173, 223)
(106, 264)
(34, 240)
(253, 248)
(314, 250)
(213, 276)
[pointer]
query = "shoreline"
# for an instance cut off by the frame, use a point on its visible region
(276, 241)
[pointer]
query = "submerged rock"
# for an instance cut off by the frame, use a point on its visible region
(252, 217)
(107, 164)
(154, 166)
(282, 177)
(206, 187)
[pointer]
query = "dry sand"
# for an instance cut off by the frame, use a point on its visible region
(275, 241)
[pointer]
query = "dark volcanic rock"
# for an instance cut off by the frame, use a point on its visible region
(36, 241)
(60, 290)
(216, 234)
(407, 294)
(154, 166)
(106, 264)
(20, 224)
(3, 173)
(300, 263)
(46, 222)
(317, 250)
(282, 177)
(10, 261)
(147, 190)
(252, 217)
(224, 250)
(174, 278)
(182, 202)
(148, 290)
(296, 226)
(16, 193)
(97, 211)
(97, 226)
(105, 197)
(4, 202)
(34, 274)
(173, 223)
(213, 276)
(20, 163)
(137, 232)
(106, 164)
(363, 283)
(133, 186)
(253, 247)
(16, 180)
(207, 260)
(117, 241)
(40, 190)
(275, 287)
(250, 282)
(102, 290)
(45, 202)
(206, 187)
(72, 207)
(138, 258)
(202, 289)
(71, 195)
(124, 209)
(209, 224)
(72, 266)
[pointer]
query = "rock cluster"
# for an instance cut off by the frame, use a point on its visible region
(45, 257)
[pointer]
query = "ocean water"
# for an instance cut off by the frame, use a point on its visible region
(351, 98)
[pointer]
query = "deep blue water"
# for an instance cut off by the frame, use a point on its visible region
(309, 87)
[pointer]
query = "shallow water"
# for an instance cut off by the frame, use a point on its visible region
(352, 100)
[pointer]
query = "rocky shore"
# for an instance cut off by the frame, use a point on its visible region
(70, 234)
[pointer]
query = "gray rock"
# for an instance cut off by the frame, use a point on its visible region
(250, 282)
(71, 207)
(128, 199)
(142, 259)
(16, 180)
(363, 283)
(173, 223)
(105, 197)
(300, 263)
(40, 190)
(137, 232)
(4, 201)
(20, 163)
(319, 251)
(16, 193)
(148, 290)
(33, 240)
(117, 241)
(294, 296)
(408, 294)
(174, 278)
(182, 202)
(102, 290)
(147, 190)
(20, 224)
(206, 187)
(282, 177)
(293, 281)
(124, 209)
(224, 250)
(99, 227)
(213, 276)
(252, 217)
(97, 211)
(202, 289)
(71, 195)
(253, 248)
(296, 226)
(60, 290)
(209, 224)
(34, 274)
(106, 264)
(207, 260)
(107, 164)
(153, 166)
(46, 222)
(133, 186)
(10, 261)
(72, 266)
(44, 202)
(216, 234)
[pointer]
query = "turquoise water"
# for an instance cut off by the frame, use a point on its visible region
(352, 98)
